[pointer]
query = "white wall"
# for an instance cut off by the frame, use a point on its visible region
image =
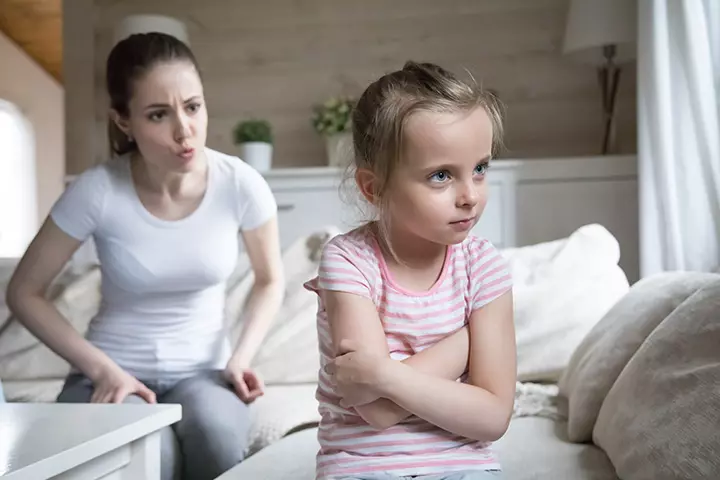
(40, 99)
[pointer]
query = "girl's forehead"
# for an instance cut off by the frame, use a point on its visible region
(431, 137)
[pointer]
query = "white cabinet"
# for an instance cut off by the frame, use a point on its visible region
(529, 201)
(312, 198)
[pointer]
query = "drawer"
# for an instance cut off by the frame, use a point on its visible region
(302, 212)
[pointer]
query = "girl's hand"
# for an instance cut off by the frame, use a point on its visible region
(114, 385)
(357, 375)
(246, 383)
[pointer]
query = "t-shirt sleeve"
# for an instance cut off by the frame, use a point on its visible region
(490, 274)
(256, 202)
(342, 268)
(79, 208)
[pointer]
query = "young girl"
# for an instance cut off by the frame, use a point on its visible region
(415, 316)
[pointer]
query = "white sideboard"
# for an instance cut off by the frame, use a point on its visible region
(530, 201)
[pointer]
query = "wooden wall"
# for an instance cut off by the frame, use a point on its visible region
(276, 58)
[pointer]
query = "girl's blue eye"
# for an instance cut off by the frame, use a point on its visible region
(440, 176)
(481, 168)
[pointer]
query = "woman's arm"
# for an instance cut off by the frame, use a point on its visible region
(49, 251)
(480, 409)
(354, 322)
(263, 248)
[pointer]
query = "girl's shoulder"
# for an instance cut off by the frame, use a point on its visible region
(359, 241)
(475, 245)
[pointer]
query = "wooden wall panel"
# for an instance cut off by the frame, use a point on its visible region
(276, 58)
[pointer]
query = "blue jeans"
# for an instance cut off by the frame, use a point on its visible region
(464, 475)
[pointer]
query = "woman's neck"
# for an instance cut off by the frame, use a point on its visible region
(168, 183)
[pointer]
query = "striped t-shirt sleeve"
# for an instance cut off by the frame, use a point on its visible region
(343, 269)
(490, 273)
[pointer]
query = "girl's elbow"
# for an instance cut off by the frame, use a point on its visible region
(502, 422)
(491, 432)
(495, 429)
(501, 428)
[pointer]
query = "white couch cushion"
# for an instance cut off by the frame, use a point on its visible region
(532, 449)
(561, 290)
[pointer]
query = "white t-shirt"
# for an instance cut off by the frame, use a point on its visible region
(163, 282)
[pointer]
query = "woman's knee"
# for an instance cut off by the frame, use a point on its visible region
(213, 431)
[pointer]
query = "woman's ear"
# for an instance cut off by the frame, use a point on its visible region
(367, 184)
(121, 122)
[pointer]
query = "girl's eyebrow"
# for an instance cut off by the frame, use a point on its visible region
(451, 166)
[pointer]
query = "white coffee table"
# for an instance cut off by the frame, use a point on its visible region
(82, 441)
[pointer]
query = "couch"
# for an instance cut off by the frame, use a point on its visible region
(586, 340)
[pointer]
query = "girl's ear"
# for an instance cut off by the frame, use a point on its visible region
(365, 180)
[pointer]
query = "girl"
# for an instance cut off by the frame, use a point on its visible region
(165, 213)
(415, 316)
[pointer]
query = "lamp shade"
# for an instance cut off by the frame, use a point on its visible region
(594, 24)
(150, 23)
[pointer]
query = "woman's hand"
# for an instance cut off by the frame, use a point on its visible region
(358, 375)
(246, 382)
(114, 385)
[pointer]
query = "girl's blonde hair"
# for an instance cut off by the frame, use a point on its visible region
(382, 112)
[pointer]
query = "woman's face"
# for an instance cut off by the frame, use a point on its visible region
(167, 116)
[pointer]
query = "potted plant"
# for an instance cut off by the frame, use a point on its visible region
(332, 120)
(255, 139)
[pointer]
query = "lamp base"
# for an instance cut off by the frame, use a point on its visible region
(609, 78)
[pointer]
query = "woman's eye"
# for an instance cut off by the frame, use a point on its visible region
(194, 107)
(156, 116)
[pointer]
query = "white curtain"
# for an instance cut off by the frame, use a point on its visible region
(679, 134)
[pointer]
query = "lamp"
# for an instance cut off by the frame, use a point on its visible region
(603, 33)
(150, 23)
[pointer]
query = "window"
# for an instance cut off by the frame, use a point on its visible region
(18, 190)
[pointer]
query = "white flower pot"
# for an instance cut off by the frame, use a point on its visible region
(257, 154)
(339, 149)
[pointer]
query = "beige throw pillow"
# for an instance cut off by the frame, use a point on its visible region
(660, 420)
(604, 352)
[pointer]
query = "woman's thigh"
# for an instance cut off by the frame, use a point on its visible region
(214, 429)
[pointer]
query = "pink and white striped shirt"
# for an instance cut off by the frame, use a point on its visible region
(474, 273)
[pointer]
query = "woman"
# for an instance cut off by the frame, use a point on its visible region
(164, 213)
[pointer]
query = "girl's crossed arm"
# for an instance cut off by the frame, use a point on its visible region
(355, 326)
(480, 409)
